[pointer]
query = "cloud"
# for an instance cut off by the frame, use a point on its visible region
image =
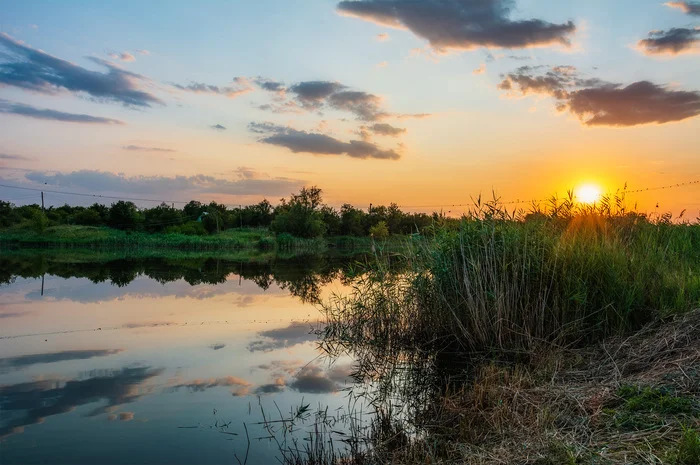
(21, 109)
(312, 379)
(139, 148)
(672, 42)
(142, 51)
(383, 37)
(690, 8)
(305, 377)
(270, 85)
(30, 403)
(37, 71)
(367, 107)
(126, 416)
(314, 92)
(320, 95)
(599, 103)
(294, 334)
(384, 129)
(413, 115)
(218, 127)
(5, 156)
(383, 64)
(217, 346)
(201, 385)
(272, 388)
(123, 56)
(23, 361)
(461, 24)
(103, 181)
(480, 70)
(319, 144)
(241, 86)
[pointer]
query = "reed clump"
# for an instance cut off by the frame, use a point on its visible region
(511, 281)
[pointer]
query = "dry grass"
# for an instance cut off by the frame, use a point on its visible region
(561, 407)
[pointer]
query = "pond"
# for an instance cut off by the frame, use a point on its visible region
(151, 360)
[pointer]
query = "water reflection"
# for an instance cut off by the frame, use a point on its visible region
(144, 349)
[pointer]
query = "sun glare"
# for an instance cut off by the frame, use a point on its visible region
(588, 193)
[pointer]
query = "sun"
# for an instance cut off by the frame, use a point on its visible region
(588, 193)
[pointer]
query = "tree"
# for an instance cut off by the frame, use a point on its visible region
(300, 216)
(352, 221)
(88, 217)
(123, 215)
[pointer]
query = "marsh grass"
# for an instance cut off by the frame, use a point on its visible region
(505, 281)
(561, 335)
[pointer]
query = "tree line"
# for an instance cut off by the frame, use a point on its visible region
(303, 214)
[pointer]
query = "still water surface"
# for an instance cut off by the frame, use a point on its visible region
(142, 360)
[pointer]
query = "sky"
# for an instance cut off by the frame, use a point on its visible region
(427, 103)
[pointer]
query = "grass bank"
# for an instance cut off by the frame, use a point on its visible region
(103, 238)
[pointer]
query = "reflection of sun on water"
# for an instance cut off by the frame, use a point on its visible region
(588, 193)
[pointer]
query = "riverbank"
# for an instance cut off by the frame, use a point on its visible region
(548, 341)
(251, 239)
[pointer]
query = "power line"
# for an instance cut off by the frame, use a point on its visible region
(97, 196)
(510, 202)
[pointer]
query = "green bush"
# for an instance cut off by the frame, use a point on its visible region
(193, 228)
(379, 230)
(39, 222)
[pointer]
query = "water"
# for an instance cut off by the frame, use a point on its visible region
(107, 360)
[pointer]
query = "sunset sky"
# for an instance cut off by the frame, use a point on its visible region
(422, 103)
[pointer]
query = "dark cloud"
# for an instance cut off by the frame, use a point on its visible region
(319, 144)
(461, 24)
(23, 361)
(201, 385)
(218, 127)
(314, 92)
(15, 108)
(672, 42)
(217, 346)
(103, 181)
(306, 378)
(30, 403)
(381, 129)
(367, 107)
(599, 103)
(241, 86)
(294, 334)
(5, 156)
(37, 71)
(272, 388)
(313, 379)
(270, 85)
(384, 129)
(690, 8)
(139, 148)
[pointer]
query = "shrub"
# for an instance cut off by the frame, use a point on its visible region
(379, 230)
(39, 222)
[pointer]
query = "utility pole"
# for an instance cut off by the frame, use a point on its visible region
(370, 208)
(42, 201)
(240, 214)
